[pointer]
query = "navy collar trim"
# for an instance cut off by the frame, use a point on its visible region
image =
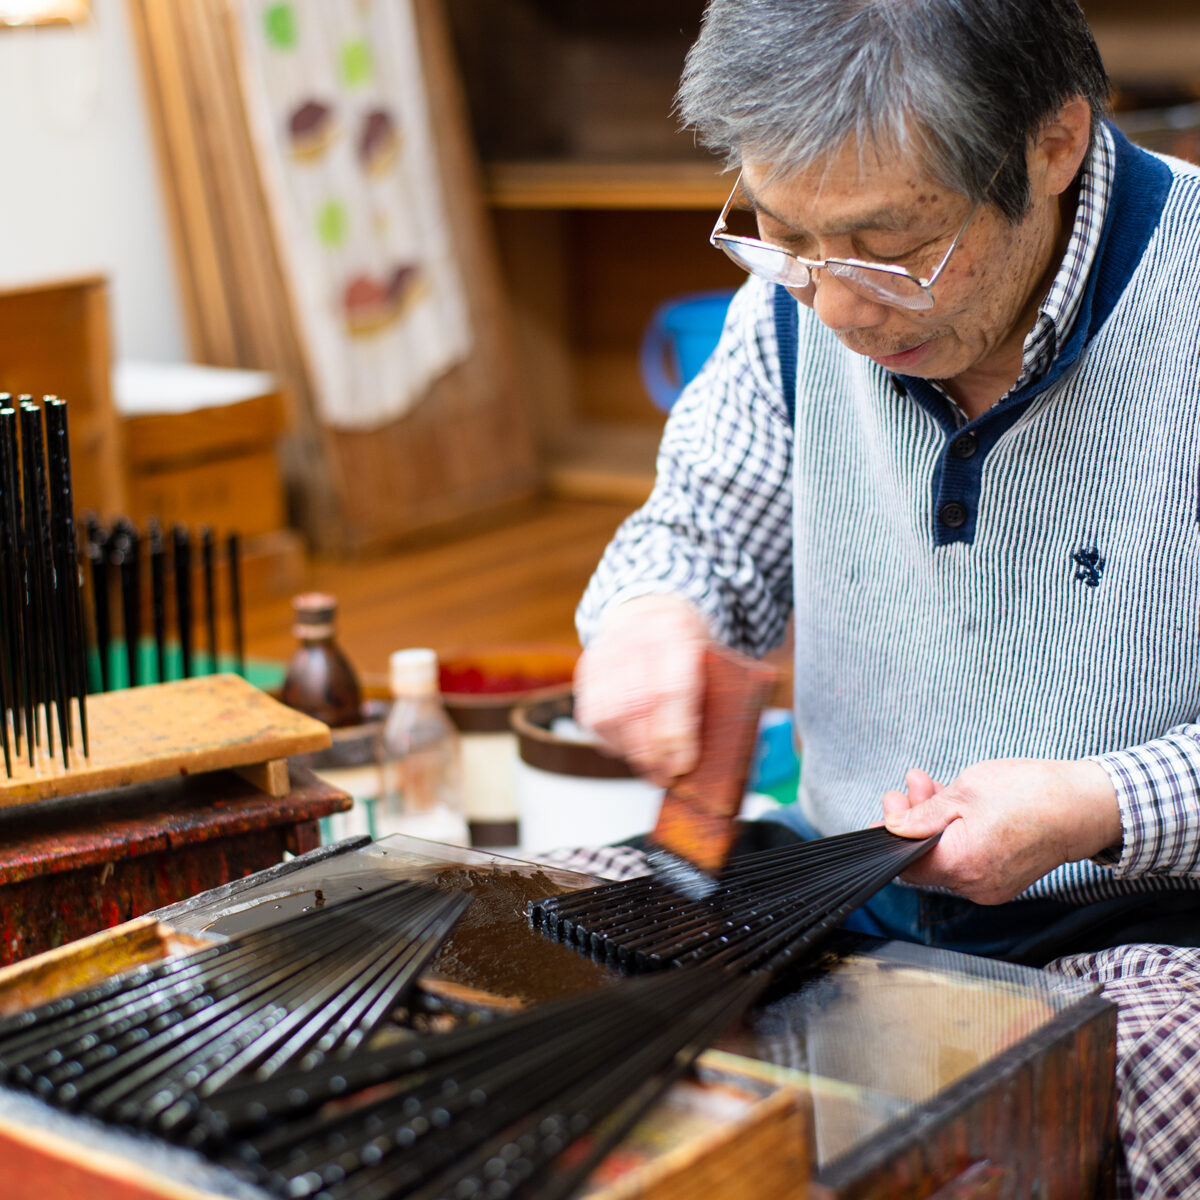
(1135, 207)
(1139, 194)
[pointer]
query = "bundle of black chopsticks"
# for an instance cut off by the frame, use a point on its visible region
(486, 1110)
(769, 909)
(119, 554)
(256, 1053)
(147, 1047)
(43, 654)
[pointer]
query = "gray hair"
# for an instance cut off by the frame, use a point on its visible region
(960, 85)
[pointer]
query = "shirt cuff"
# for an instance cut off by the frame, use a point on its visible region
(1158, 791)
(588, 622)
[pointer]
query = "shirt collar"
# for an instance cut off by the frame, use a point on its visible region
(1056, 316)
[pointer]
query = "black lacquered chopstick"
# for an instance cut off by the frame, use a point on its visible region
(158, 597)
(67, 562)
(97, 557)
(233, 549)
(210, 595)
(126, 556)
(61, 576)
(182, 564)
(14, 583)
(48, 650)
(11, 656)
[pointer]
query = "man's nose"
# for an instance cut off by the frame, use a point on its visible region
(841, 308)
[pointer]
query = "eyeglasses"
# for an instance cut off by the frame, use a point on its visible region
(886, 283)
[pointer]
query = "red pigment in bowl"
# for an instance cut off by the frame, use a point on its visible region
(478, 681)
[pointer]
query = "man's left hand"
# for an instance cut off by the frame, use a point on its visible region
(1005, 823)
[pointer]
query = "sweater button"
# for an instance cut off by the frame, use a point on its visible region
(953, 515)
(964, 446)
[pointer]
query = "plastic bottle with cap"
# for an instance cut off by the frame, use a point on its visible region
(420, 764)
(320, 680)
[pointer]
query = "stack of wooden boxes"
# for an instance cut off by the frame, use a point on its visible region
(187, 444)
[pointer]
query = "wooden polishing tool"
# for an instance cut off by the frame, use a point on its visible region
(695, 831)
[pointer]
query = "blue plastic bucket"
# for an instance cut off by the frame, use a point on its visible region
(681, 335)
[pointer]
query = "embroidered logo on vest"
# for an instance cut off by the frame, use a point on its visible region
(1088, 566)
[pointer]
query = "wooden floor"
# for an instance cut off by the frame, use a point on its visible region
(515, 581)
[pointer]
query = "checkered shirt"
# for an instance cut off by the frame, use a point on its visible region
(602, 862)
(1157, 993)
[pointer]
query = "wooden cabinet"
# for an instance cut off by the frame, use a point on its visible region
(54, 340)
(201, 446)
(602, 207)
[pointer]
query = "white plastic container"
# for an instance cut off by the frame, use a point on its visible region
(569, 793)
(480, 689)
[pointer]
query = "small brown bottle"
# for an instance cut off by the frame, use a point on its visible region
(320, 680)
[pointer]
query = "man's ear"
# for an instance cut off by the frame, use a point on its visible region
(1060, 147)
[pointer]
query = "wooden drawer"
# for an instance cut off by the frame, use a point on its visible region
(155, 441)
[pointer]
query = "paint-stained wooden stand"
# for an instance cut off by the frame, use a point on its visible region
(187, 727)
(187, 786)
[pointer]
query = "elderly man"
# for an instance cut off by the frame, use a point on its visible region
(952, 428)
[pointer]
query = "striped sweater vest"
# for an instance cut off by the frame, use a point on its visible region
(1061, 617)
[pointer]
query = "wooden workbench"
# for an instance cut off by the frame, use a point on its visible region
(907, 1072)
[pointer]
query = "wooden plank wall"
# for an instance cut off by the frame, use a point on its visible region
(468, 444)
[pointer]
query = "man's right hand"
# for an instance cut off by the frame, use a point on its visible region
(640, 683)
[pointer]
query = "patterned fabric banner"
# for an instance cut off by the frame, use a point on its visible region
(341, 120)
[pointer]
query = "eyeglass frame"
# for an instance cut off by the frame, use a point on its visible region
(718, 236)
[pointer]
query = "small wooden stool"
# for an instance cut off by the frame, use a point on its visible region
(187, 787)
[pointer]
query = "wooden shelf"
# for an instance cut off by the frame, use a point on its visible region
(1149, 46)
(580, 184)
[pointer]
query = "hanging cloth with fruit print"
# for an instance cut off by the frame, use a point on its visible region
(341, 122)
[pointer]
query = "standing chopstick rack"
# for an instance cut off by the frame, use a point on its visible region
(43, 631)
(43, 666)
(121, 558)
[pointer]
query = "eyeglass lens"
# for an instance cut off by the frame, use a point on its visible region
(777, 266)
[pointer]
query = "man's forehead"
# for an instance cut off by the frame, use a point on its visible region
(845, 193)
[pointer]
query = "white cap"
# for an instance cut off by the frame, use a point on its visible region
(413, 672)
